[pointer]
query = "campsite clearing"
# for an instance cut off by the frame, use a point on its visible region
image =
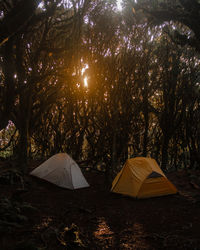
(94, 218)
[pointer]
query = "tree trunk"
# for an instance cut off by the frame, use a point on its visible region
(8, 91)
(165, 146)
(24, 132)
(23, 145)
(110, 167)
(79, 146)
(146, 122)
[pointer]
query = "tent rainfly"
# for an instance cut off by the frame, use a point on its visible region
(62, 171)
(141, 177)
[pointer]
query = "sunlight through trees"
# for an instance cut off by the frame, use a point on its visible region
(100, 84)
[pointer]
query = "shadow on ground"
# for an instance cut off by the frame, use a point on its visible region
(94, 218)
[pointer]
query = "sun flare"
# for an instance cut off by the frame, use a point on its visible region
(85, 82)
(119, 6)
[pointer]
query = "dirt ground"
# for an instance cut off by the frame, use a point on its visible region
(94, 218)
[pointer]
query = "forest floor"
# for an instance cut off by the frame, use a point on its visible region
(94, 218)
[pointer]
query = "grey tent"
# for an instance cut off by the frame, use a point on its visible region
(62, 171)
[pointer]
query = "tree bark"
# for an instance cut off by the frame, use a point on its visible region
(146, 122)
(165, 146)
(23, 145)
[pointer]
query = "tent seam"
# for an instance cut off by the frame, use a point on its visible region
(118, 178)
(142, 184)
(71, 176)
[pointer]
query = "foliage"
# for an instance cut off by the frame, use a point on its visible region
(14, 15)
(142, 96)
(184, 12)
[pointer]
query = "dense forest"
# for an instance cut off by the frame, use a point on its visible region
(97, 82)
(100, 83)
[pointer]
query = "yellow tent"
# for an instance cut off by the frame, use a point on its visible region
(141, 177)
